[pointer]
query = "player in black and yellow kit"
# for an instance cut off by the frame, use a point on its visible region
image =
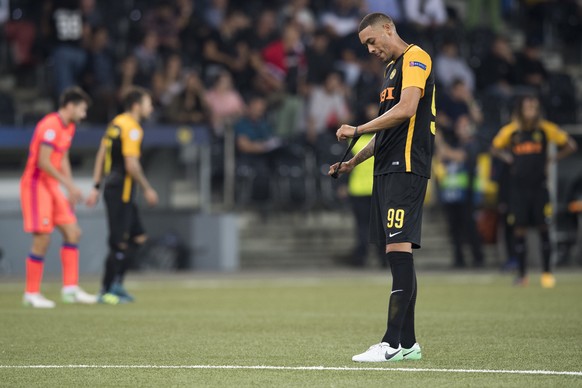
(118, 170)
(523, 144)
(402, 148)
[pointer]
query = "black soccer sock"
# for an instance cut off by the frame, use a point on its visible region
(402, 268)
(115, 259)
(520, 253)
(130, 255)
(408, 334)
(546, 250)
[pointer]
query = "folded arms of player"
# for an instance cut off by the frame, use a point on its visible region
(63, 175)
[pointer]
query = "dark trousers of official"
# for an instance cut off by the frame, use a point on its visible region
(463, 229)
(361, 209)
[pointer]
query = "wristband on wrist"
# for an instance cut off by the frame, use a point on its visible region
(97, 185)
(356, 131)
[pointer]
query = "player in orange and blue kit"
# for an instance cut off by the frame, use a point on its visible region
(44, 205)
(524, 145)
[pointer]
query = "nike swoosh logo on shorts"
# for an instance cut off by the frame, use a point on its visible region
(389, 356)
(394, 234)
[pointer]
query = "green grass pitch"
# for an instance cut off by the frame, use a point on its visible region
(464, 321)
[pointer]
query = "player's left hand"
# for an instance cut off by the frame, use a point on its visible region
(345, 132)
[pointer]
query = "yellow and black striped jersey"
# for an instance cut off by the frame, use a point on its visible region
(407, 147)
(122, 138)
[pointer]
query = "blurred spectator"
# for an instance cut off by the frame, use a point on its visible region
(172, 79)
(100, 79)
(392, 8)
(265, 31)
(319, 59)
(21, 35)
(284, 61)
(450, 66)
(282, 69)
(215, 12)
(459, 190)
(476, 11)
(91, 14)
(224, 102)
(497, 72)
(148, 58)
(65, 21)
(368, 85)
(167, 22)
(257, 146)
(341, 18)
(298, 12)
(226, 48)
(189, 107)
(127, 75)
(425, 13)
(457, 102)
(327, 107)
(532, 71)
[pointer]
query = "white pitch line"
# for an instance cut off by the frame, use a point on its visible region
(304, 368)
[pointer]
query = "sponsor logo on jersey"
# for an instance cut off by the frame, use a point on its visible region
(387, 94)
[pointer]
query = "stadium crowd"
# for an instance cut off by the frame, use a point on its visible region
(283, 75)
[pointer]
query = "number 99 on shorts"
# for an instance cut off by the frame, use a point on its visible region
(395, 218)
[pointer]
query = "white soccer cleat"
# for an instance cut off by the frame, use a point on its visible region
(381, 352)
(37, 300)
(77, 295)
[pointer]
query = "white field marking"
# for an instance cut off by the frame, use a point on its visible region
(300, 368)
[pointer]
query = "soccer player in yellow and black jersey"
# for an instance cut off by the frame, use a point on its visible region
(523, 144)
(118, 170)
(402, 148)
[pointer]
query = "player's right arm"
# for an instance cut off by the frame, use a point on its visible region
(44, 163)
(93, 197)
(131, 149)
(501, 143)
(133, 168)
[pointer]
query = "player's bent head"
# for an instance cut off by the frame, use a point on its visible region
(138, 101)
(376, 32)
(75, 101)
(374, 20)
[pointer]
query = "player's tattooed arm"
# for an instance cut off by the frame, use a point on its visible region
(365, 153)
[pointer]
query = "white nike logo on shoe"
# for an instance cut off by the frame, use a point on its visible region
(394, 234)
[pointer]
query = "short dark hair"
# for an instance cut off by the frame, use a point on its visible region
(73, 95)
(373, 19)
(133, 96)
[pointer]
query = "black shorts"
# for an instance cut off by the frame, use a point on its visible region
(529, 207)
(122, 217)
(396, 213)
